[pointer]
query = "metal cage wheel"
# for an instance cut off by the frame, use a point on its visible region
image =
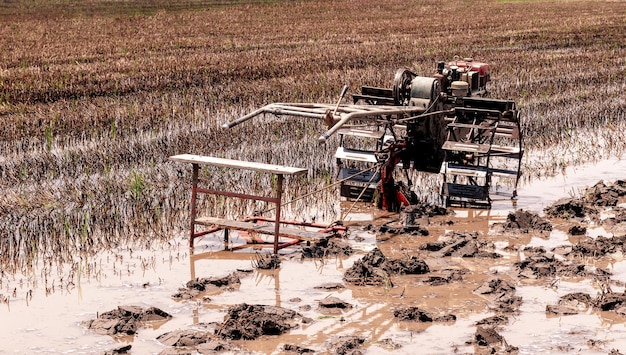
(402, 87)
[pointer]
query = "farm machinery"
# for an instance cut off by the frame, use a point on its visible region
(443, 123)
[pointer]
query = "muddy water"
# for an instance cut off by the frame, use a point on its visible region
(43, 314)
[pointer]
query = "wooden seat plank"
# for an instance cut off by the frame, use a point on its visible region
(239, 164)
(263, 228)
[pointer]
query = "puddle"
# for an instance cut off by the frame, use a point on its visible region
(555, 239)
(540, 193)
(44, 313)
(534, 332)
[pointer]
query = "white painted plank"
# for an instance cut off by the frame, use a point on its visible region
(238, 164)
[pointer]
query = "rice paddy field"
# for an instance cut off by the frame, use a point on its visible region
(96, 95)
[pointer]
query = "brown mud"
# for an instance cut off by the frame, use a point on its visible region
(406, 269)
(125, 320)
(479, 282)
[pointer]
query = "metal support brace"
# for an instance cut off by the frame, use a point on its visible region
(277, 170)
(279, 194)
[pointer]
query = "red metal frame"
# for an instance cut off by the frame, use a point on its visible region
(278, 171)
(195, 190)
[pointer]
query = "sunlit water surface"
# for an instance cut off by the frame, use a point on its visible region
(44, 314)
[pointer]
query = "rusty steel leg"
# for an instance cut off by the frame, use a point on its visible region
(194, 193)
(279, 194)
(277, 286)
(192, 267)
(226, 239)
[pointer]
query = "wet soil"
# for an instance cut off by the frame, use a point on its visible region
(375, 268)
(466, 286)
(541, 264)
(593, 201)
(249, 322)
(525, 222)
(419, 315)
(125, 320)
(201, 287)
(461, 244)
(326, 248)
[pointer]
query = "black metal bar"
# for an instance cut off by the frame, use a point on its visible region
(194, 192)
(279, 194)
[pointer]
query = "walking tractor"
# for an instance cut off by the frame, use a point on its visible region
(443, 123)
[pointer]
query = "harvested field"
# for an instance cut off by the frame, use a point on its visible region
(95, 95)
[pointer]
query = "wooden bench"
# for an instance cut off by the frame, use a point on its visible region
(250, 227)
(278, 170)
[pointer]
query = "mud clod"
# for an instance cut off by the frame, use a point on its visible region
(291, 348)
(572, 303)
(487, 337)
(327, 247)
(266, 261)
(493, 321)
(196, 287)
(416, 314)
(330, 286)
(601, 194)
(416, 215)
(465, 245)
(399, 228)
(567, 208)
(120, 350)
(596, 247)
(125, 320)
(577, 230)
(226, 281)
(445, 276)
(526, 221)
(561, 310)
(334, 302)
(346, 345)
(411, 266)
(251, 321)
(502, 293)
(184, 338)
(374, 268)
(612, 301)
(616, 224)
(543, 264)
(426, 209)
(333, 306)
(190, 341)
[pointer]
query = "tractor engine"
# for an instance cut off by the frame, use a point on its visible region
(442, 123)
(458, 132)
(463, 77)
